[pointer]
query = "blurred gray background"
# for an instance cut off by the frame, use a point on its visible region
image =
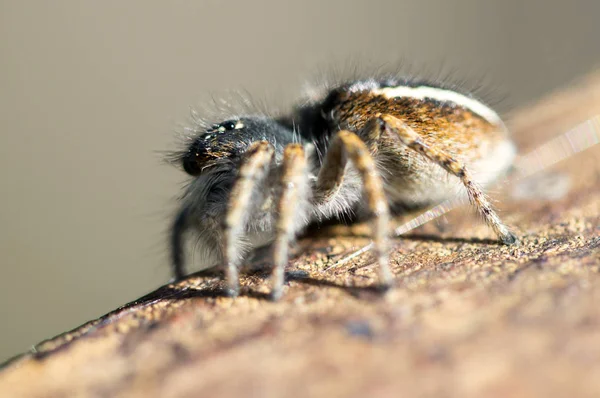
(91, 91)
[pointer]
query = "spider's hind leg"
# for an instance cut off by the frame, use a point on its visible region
(397, 129)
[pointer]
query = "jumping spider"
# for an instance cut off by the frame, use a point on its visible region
(369, 146)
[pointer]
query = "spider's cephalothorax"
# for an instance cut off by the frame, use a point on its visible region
(230, 205)
(379, 145)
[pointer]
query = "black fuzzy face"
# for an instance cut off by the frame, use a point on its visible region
(225, 142)
(218, 143)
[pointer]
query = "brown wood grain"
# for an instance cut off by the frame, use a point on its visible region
(467, 316)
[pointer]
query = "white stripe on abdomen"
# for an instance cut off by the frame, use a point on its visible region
(439, 94)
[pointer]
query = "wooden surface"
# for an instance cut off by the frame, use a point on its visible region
(467, 317)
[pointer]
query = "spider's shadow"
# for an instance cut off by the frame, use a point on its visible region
(174, 292)
(331, 230)
(440, 239)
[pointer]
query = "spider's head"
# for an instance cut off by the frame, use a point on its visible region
(225, 142)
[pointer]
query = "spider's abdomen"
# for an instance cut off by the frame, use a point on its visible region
(454, 123)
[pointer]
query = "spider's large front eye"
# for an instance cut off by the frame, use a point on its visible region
(190, 163)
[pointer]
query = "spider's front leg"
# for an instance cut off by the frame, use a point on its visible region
(253, 169)
(406, 136)
(347, 145)
(293, 195)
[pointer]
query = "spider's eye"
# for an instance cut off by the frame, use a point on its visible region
(229, 125)
(190, 163)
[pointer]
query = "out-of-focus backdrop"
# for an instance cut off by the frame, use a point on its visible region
(90, 92)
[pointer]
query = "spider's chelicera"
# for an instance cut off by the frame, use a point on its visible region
(363, 148)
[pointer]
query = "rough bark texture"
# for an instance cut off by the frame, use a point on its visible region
(467, 316)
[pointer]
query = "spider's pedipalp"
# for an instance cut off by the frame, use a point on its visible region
(253, 169)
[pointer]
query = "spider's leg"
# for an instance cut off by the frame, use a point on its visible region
(252, 171)
(178, 230)
(346, 145)
(294, 188)
(396, 128)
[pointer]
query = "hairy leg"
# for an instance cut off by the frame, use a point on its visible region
(178, 230)
(293, 182)
(253, 169)
(347, 145)
(407, 136)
